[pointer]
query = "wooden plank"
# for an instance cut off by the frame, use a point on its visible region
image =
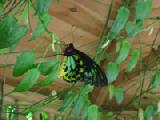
(72, 13)
(155, 3)
(95, 8)
(99, 10)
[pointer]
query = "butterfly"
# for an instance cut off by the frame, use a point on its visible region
(77, 66)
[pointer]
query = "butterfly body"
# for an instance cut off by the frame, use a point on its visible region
(77, 66)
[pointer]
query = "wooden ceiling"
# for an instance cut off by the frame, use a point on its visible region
(81, 22)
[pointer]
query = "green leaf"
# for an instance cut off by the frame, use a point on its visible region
(119, 94)
(42, 24)
(86, 89)
(39, 29)
(46, 67)
(11, 110)
(135, 54)
(2, 1)
(78, 105)
(143, 9)
(141, 114)
(67, 102)
(23, 63)
(93, 112)
(121, 19)
(112, 71)
(149, 112)
(123, 51)
(158, 107)
(118, 46)
(79, 101)
(1, 51)
(85, 109)
(29, 116)
(44, 116)
(156, 79)
(10, 33)
(1, 8)
(111, 90)
(12, 48)
(110, 116)
(119, 23)
(59, 117)
(51, 77)
(28, 81)
(82, 99)
(24, 13)
(134, 29)
(42, 6)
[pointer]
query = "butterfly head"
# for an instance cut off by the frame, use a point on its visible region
(69, 49)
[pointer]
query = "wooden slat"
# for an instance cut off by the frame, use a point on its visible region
(97, 9)
(72, 13)
(155, 3)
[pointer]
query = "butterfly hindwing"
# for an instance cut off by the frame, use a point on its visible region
(93, 73)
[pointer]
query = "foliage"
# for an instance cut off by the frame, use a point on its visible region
(23, 63)
(43, 116)
(155, 80)
(28, 81)
(93, 112)
(10, 33)
(78, 103)
(143, 8)
(118, 93)
(50, 69)
(11, 112)
(15, 24)
(112, 71)
(135, 54)
(29, 116)
(119, 23)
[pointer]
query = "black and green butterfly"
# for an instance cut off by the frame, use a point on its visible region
(77, 66)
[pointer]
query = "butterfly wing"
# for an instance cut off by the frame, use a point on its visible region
(92, 73)
(68, 69)
(77, 66)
